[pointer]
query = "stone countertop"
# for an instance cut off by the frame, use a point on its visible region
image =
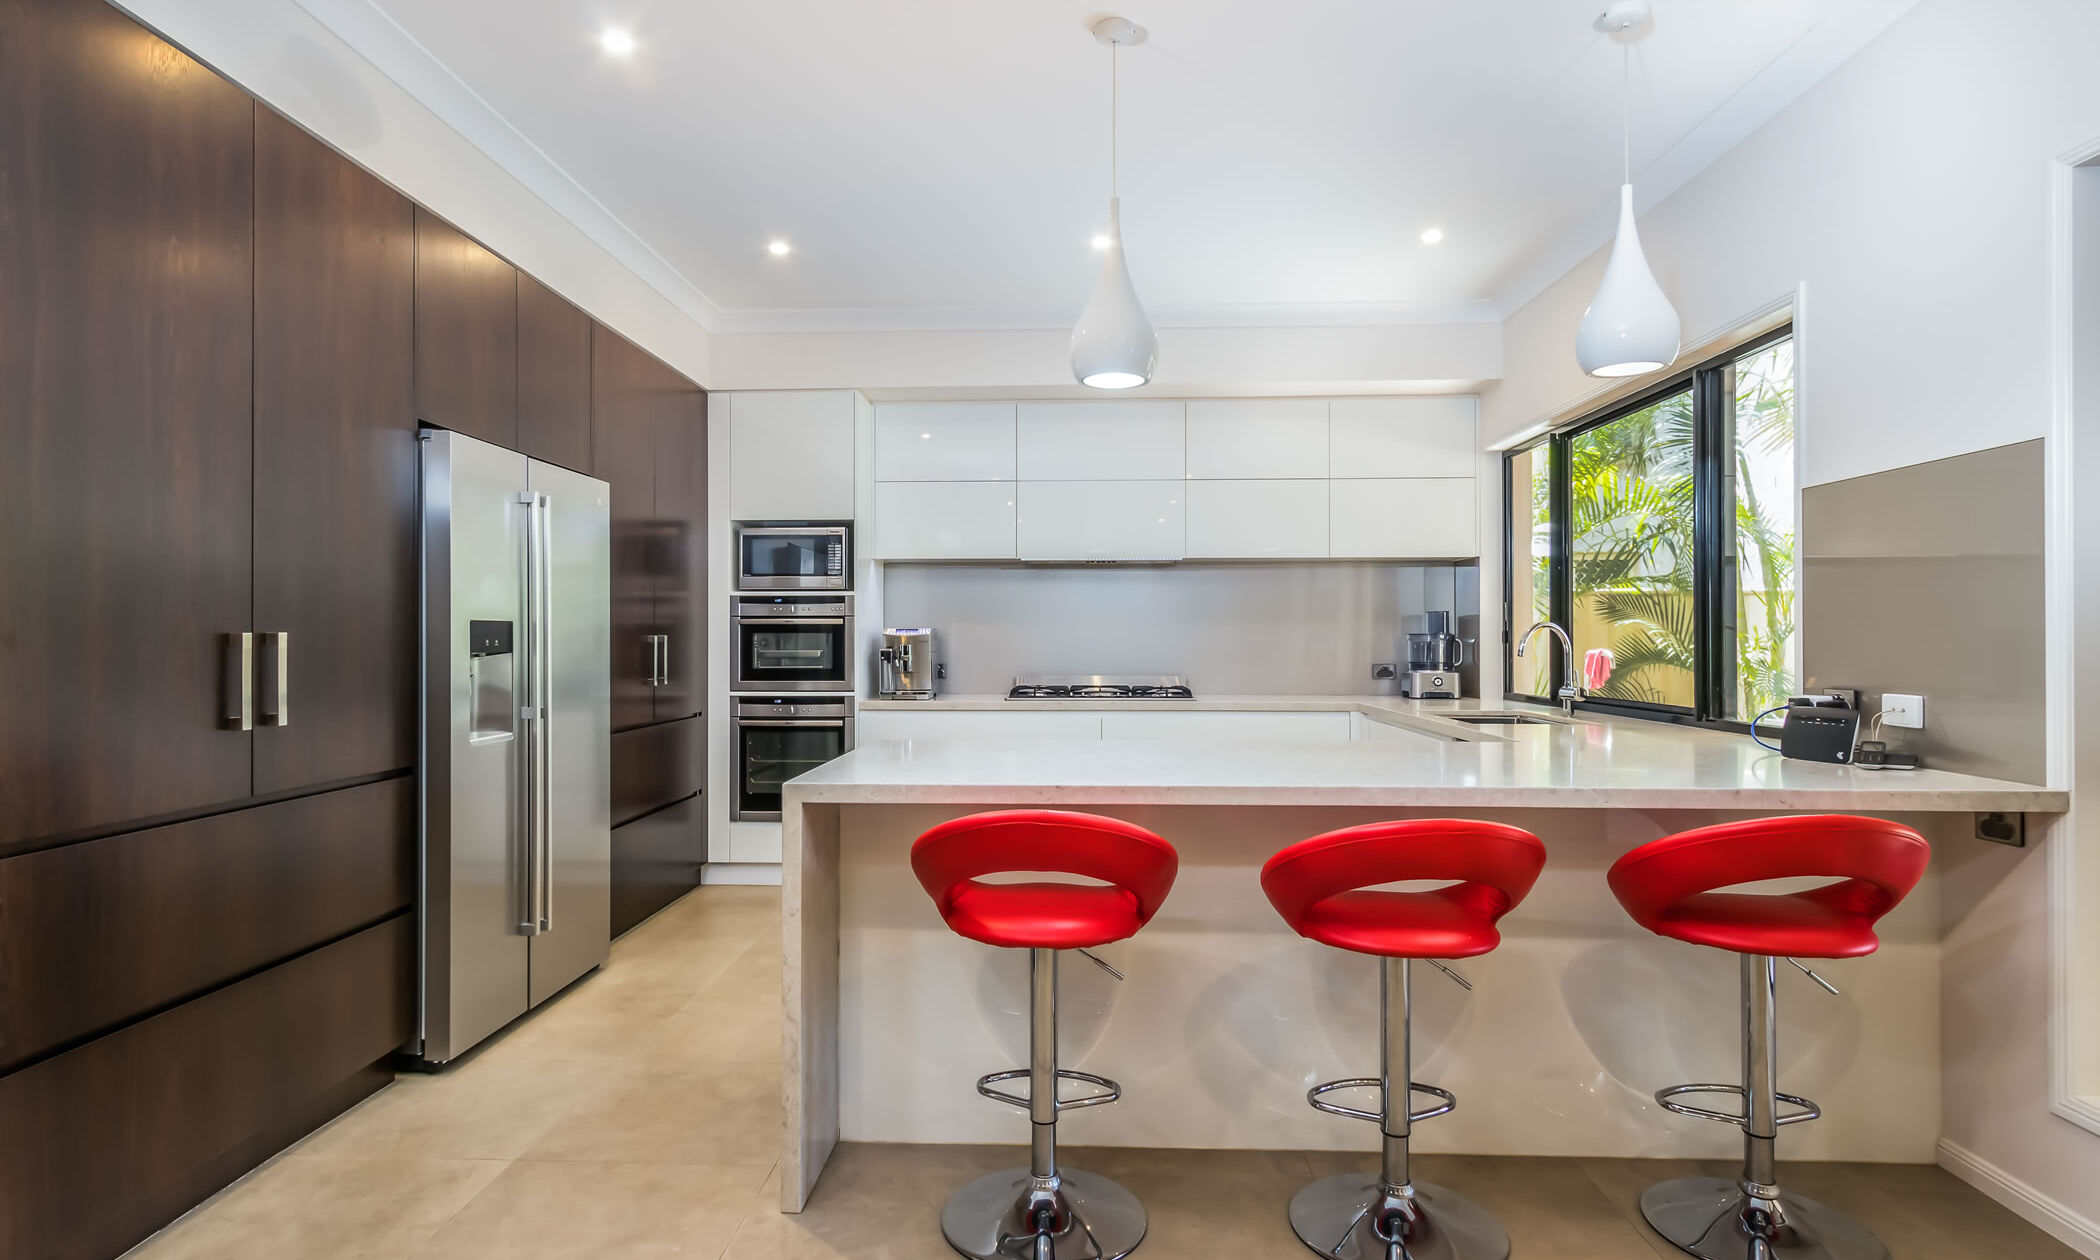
(1589, 763)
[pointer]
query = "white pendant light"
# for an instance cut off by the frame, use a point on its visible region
(1114, 345)
(1630, 328)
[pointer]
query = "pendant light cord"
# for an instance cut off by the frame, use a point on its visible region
(1112, 104)
(1626, 113)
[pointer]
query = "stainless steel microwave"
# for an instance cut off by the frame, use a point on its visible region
(777, 557)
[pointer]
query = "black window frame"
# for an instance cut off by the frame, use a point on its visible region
(1711, 383)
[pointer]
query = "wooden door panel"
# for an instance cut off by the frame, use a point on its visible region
(125, 485)
(655, 765)
(115, 1138)
(656, 860)
(623, 454)
(680, 561)
(554, 377)
(466, 334)
(97, 933)
(335, 460)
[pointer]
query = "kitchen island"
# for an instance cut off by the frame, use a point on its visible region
(1227, 1016)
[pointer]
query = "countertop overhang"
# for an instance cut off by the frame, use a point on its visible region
(1590, 763)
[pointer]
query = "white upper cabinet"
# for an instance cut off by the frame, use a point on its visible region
(1102, 520)
(1258, 520)
(944, 442)
(1101, 441)
(1402, 437)
(1258, 439)
(944, 520)
(791, 455)
(1404, 518)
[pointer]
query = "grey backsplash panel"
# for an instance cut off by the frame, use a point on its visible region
(1232, 629)
(1928, 579)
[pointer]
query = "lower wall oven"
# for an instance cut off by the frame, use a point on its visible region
(780, 737)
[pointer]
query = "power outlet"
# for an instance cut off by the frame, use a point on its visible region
(1903, 711)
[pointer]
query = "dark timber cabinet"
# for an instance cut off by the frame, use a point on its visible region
(217, 337)
(648, 441)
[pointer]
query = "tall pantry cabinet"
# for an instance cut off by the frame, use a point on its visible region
(217, 337)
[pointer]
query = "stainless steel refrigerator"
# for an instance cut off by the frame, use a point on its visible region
(516, 739)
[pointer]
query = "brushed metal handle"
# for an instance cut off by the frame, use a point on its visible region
(276, 666)
(663, 673)
(543, 699)
(238, 712)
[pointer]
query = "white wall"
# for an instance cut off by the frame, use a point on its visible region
(1909, 197)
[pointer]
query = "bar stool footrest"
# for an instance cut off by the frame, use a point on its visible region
(1663, 1097)
(1110, 1091)
(1312, 1096)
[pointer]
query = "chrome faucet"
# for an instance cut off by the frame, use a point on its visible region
(1569, 692)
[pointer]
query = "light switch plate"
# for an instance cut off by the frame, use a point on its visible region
(1904, 711)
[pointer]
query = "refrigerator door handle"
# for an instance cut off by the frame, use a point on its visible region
(529, 729)
(543, 700)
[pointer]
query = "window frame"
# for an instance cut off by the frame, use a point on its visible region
(1711, 383)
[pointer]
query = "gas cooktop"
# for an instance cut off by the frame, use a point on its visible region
(1101, 687)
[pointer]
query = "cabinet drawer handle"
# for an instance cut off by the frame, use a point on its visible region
(239, 681)
(277, 670)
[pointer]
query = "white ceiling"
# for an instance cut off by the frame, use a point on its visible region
(941, 164)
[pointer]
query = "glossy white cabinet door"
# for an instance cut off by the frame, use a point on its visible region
(1101, 441)
(944, 520)
(1332, 728)
(1404, 518)
(1402, 437)
(944, 442)
(883, 724)
(791, 455)
(1246, 439)
(1102, 520)
(1258, 520)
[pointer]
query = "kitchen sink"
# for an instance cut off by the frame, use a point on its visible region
(1500, 719)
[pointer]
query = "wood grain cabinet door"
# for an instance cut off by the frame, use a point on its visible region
(125, 487)
(680, 559)
(335, 463)
(624, 427)
(466, 334)
(554, 377)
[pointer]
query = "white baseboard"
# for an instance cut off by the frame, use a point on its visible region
(2080, 1233)
(740, 873)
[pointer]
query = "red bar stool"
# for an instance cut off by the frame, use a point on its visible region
(1672, 887)
(1043, 1212)
(1325, 888)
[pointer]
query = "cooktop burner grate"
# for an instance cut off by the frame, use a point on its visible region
(1102, 687)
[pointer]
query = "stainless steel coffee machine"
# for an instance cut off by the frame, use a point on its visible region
(907, 666)
(1433, 658)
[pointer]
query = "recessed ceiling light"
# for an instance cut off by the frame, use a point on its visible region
(618, 42)
(779, 249)
(1103, 240)
(1432, 236)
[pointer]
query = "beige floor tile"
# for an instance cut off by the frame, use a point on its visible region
(592, 1023)
(713, 1028)
(874, 1202)
(724, 1114)
(568, 1211)
(480, 1108)
(1202, 1204)
(1921, 1212)
(314, 1207)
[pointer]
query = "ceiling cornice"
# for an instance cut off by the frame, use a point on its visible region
(398, 55)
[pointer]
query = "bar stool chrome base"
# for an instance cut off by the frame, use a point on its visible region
(1341, 1217)
(1709, 1217)
(992, 1218)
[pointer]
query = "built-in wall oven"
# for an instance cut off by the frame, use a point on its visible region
(792, 643)
(780, 737)
(771, 556)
